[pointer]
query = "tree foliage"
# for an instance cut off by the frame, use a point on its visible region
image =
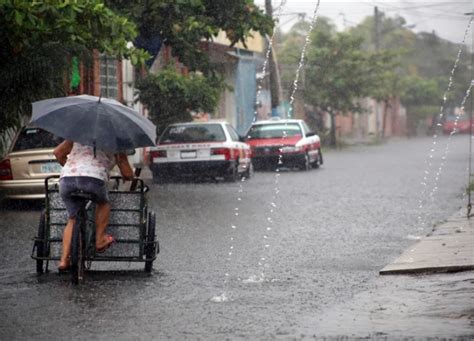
(398, 63)
(184, 24)
(425, 60)
(340, 72)
(421, 97)
(38, 38)
(171, 96)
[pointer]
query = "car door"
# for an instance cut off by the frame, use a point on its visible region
(310, 141)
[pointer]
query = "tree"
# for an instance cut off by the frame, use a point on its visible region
(38, 39)
(421, 97)
(423, 57)
(289, 50)
(171, 96)
(340, 72)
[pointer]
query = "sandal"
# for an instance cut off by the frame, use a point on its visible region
(110, 241)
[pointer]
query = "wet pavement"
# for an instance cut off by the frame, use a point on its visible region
(331, 231)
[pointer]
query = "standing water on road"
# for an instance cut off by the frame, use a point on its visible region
(334, 229)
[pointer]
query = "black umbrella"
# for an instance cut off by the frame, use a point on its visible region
(103, 123)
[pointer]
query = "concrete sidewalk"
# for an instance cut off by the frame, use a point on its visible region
(449, 248)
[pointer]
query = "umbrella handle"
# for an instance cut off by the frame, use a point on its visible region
(133, 185)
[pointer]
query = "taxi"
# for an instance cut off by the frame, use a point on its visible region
(284, 142)
(211, 149)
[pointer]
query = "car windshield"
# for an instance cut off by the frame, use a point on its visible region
(453, 118)
(35, 138)
(270, 131)
(193, 133)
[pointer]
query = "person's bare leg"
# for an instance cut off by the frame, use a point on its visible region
(102, 214)
(67, 235)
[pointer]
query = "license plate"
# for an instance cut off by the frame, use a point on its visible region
(51, 167)
(188, 155)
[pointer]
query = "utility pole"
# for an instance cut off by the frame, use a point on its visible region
(275, 100)
(377, 47)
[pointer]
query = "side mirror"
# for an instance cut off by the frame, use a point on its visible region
(311, 133)
(130, 152)
(241, 138)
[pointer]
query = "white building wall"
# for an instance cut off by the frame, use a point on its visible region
(128, 77)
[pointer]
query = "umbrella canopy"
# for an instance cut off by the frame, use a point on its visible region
(100, 122)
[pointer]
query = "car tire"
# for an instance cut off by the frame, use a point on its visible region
(249, 172)
(232, 174)
(319, 160)
(305, 164)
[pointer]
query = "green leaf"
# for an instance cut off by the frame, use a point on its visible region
(19, 18)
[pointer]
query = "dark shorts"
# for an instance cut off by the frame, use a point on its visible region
(69, 184)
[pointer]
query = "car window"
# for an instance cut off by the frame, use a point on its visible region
(450, 118)
(305, 128)
(193, 133)
(233, 134)
(269, 131)
(35, 138)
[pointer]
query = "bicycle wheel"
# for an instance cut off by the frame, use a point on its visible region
(77, 250)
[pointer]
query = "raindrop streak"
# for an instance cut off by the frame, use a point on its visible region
(223, 297)
(263, 261)
(446, 151)
(301, 63)
(267, 58)
(429, 162)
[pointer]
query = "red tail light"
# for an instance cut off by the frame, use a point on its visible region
(222, 151)
(157, 153)
(6, 170)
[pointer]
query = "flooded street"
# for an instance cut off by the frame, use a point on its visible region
(292, 256)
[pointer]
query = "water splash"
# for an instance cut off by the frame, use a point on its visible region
(254, 279)
(428, 171)
(220, 298)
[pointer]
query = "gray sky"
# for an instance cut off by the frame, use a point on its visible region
(446, 18)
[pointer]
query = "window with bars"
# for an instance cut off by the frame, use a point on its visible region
(108, 77)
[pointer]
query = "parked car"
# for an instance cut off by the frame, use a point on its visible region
(286, 142)
(210, 149)
(456, 124)
(28, 162)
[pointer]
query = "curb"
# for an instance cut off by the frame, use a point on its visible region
(450, 248)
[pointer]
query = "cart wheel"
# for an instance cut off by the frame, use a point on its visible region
(150, 250)
(40, 246)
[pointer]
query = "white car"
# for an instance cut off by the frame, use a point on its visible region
(210, 149)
